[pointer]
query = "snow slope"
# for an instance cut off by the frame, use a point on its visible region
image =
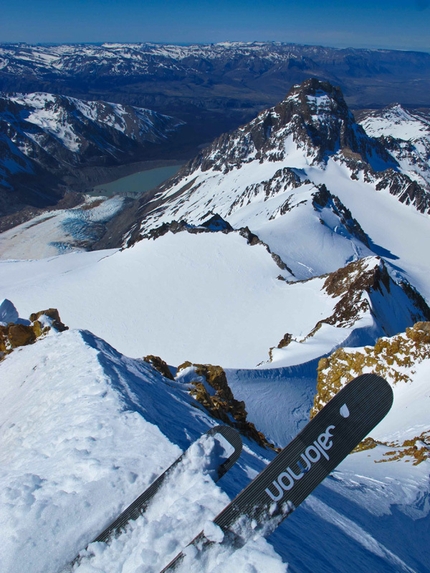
(66, 473)
(70, 403)
(412, 132)
(207, 298)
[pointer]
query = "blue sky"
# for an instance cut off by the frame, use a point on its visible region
(397, 24)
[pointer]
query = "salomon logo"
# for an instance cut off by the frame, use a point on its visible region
(312, 454)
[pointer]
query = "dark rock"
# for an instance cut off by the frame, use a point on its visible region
(159, 364)
(222, 404)
(54, 315)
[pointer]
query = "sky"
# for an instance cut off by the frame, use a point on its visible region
(392, 24)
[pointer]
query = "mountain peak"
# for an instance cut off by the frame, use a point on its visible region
(313, 119)
(314, 95)
(325, 126)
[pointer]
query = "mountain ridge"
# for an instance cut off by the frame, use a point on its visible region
(213, 88)
(279, 154)
(200, 283)
(49, 142)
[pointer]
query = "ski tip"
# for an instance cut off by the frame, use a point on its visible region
(233, 438)
(376, 388)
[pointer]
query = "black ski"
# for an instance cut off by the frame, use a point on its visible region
(226, 450)
(302, 465)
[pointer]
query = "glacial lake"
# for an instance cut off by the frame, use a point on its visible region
(137, 183)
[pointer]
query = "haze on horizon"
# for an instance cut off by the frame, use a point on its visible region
(389, 24)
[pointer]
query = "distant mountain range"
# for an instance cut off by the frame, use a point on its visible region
(241, 74)
(212, 88)
(217, 87)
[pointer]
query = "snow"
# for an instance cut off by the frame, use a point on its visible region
(62, 452)
(357, 533)
(397, 122)
(409, 416)
(66, 473)
(86, 425)
(69, 404)
(69, 120)
(50, 117)
(153, 298)
(412, 130)
(266, 393)
(57, 232)
(397, 232)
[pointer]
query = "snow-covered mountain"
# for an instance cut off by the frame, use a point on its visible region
(406, 134)
(309, 139)
(239, 65)
(300, 177)
(46, 140)
(293, 254)
(72, 122)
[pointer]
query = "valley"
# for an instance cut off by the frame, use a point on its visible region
(208, 89)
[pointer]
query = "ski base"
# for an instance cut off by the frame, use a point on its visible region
(301, 466)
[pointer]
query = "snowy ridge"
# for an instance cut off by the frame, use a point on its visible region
(67, 120)
(68, 473)
(66, 464)
(407, 136)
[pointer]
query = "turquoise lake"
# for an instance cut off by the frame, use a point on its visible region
(138, 182)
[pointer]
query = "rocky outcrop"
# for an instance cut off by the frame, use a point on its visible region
(215, 223)
(395, 359)
(160, 365)
(405, 189)
(24, 332)
(209, 386)
(324, 199)
(392, 357)
(356, 285)
(53, 316)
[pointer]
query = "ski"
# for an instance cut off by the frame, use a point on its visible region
(223, 452)
(299, 468)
